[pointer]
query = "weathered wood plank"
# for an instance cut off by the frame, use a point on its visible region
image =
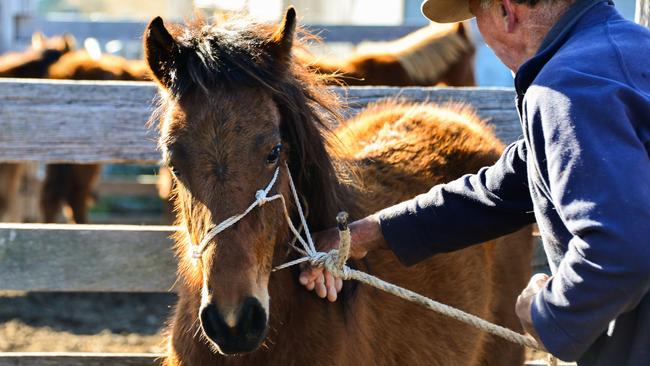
(104, 122)
(36, 257)
(76, 121)
(110, 359)
(78, 359)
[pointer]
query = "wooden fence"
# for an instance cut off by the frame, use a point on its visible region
(90, 122)
(68, 121)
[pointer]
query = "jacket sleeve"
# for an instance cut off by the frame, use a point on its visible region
(472, 209)
(599, 175)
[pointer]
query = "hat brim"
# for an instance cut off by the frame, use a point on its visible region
(446, 11)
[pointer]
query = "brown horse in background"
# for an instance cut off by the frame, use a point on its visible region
(236, 108)
(73, 184)
(81, 65)
(35, 61)
(32, 63)
(438, 54)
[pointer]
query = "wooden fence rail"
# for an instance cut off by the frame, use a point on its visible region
(108, 359)
(124, 258)
(105, 122)
(78, 359)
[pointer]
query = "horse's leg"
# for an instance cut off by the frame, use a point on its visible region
(10, 178)
(83, 177)
(55, 186)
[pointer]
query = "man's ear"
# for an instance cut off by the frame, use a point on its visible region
(509, 15)
(161, 53)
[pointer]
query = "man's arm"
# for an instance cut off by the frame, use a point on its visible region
(472, 209)
(599, 174)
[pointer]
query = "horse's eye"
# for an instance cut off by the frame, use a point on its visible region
(274, 156)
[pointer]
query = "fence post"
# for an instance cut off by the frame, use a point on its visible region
(6, 26)
(643, 12)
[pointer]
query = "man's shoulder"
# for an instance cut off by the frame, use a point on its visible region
(615, 51)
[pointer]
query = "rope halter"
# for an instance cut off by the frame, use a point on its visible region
(261, 198)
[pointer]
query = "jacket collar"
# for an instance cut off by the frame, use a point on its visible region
(555, 38)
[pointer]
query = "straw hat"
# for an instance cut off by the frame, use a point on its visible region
(446, 11)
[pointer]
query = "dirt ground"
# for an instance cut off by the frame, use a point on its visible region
(88, 322)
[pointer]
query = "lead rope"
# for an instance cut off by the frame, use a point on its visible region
(335, 260)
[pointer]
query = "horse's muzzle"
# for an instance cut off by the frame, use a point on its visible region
(246, 336)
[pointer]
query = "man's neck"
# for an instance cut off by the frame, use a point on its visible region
(535, 28)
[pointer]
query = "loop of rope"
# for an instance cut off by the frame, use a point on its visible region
(335, 260)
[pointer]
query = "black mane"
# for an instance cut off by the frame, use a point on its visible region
(231, 56)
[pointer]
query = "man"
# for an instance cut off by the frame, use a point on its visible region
(581, 171)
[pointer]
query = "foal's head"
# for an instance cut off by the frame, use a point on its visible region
(62, 44)
(235, 110)
(34, 62)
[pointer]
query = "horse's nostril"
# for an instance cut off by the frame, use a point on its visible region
(213, 324)
(245, 336)
(252, 318)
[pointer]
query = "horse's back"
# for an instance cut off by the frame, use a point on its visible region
(403, 150)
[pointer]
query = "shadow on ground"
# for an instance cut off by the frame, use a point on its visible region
(89, 313)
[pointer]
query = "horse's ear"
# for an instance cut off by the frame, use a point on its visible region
(161, 51)
(69, 42)
(38, 40)
(282, 40)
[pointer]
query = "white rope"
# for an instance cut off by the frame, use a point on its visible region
(261, 198)
(335, 260)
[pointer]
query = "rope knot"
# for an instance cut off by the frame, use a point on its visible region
(260, 196)
(330, 261)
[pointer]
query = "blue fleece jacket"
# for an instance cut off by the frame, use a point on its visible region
(582, 172)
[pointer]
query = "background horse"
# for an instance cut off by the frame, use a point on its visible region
(73, 184)
(236, 108)
(438, 54)
(32, 63)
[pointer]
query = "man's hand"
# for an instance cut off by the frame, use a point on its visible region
(525, 301)
(366, 236)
